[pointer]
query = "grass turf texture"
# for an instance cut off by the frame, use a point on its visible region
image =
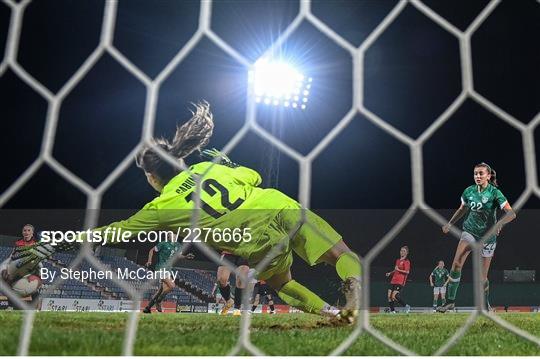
(57, 333)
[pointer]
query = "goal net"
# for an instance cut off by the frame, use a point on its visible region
(152, 86)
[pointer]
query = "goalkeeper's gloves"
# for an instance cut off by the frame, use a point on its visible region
(211, 154)
(27, 259)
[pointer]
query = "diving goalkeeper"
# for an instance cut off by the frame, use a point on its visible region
(230, 198)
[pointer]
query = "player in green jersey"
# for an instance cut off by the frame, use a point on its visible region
(438, 279)
(272, 224)
(165, 253)
(480, 202)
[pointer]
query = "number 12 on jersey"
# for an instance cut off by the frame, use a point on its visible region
(212, 187)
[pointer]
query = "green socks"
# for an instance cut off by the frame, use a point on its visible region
(348, 266)
(295, 294)
(453, 284)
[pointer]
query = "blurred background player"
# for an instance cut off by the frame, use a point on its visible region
(230, 198)
(479, 201)
(260, 290)
(438, 279)
(399, 275)
(223, 275)
(165, 251)
(28, 239)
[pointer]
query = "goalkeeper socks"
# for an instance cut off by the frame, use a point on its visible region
(253, 307)
(486, 293)
(348, 266)
(225, 292)
(296, 295)
(272, 308)
(453, 284)
(237, 297)
(391, 306)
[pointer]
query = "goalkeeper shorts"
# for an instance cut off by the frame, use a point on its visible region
(310, 240)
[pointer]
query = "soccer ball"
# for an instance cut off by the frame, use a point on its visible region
(27, 285)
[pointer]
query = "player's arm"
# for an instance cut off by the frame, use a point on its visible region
(431, 279)
(186, 256)
(509, 216)
(143, 221)
(390, 273)
(151, 256)
(460, 212)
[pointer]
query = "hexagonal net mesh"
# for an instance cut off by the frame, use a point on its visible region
(94, 195)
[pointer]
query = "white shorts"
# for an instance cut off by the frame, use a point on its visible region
(437, 290)
(487, 251)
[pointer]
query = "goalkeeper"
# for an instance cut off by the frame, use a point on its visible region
(231, 199)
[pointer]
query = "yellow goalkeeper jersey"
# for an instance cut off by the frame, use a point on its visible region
(229, 198)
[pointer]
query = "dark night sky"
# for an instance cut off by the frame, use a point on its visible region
(412, 74)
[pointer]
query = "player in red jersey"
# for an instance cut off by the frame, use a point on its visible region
(27, 236)
(27, 239)
(399, 278)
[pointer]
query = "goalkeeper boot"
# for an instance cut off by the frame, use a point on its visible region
(228, 305)
(147, 310)
(450, 305)
(158, 307)
(351, 290)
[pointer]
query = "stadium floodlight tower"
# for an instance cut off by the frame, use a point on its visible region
(277, 83)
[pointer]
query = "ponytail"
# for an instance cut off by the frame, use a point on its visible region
(493, 179)
(191, 136)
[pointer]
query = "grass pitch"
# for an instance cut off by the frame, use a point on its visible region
(56, 333)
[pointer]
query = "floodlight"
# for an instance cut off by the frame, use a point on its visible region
(277, 82)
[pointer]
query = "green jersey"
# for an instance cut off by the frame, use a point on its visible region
(166, 250)
(482, 207)
(230, 199)
(439, 276)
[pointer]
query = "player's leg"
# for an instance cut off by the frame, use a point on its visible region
(153, 300)
(255, 302)
(317, 242)
(462, 252)
(486, 262)
(391, 305)
(436, 291)
(443, 295)
(270, 301)
(167, 286)
(223, 274)
(399, 299)
(239, 288)
(296, 295)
